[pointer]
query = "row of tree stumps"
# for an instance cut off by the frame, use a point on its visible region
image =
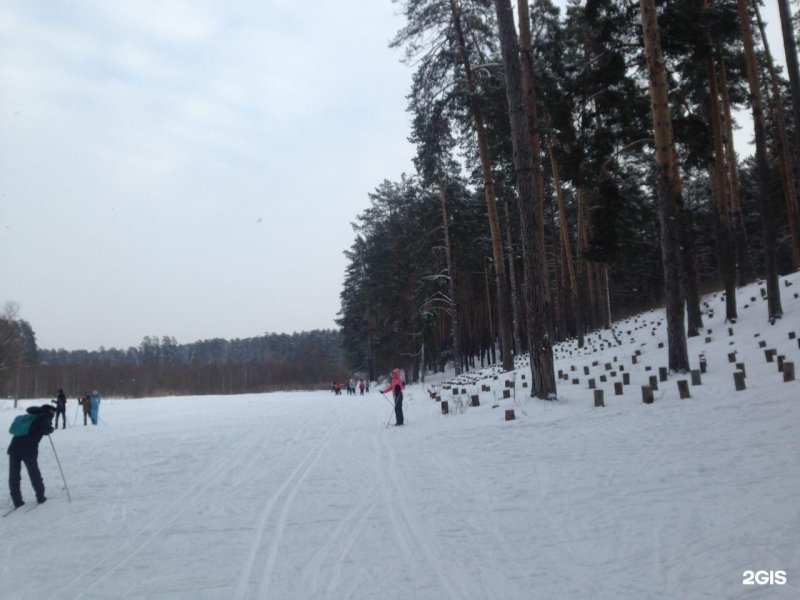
(458, 391)
(616, 369)
(786, 367)
(619, 386)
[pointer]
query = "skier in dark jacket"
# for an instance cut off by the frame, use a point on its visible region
(61, 408)
(86, 404)
(25, 449)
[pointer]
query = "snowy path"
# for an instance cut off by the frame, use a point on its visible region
(308, 496)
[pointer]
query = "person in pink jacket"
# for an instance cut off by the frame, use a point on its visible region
(397, 386)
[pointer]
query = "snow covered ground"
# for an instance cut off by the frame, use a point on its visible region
(307, 495)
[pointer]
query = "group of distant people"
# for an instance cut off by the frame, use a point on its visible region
(89, 402)
(33, 426)
(352, 385)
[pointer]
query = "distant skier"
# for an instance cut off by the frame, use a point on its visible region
(95, 400)
(61, 409)
(25, 449)
(86, 404)
(396, 386)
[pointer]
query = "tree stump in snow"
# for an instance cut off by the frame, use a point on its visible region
(781, 361)
(740, 367)
(618, 388)
(738, 381)
(445, 409)
(598, 399)
(792, 335)
(474, 400)
(762, 344)
(732, 356)
(653, 382)
(634, 359)
(576, 381)
(591, 384)
(626, 378)
(683, 389)
(662, 373)
(510, 416)
(696, 380)
(603, 378)
(769, 354)
(506, 393)
(647, 394)
(703, 365)
(788, 371)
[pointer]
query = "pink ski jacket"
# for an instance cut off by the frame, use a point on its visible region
(397, 378)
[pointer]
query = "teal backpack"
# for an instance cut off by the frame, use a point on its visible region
(22, 425)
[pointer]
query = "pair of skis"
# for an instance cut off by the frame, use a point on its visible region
(16, 508)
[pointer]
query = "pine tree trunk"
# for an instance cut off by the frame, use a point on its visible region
(501, 282)
(785, 159)
(451, 285)
(583, 271)
(531, 110)
(512, 281)
(566, 246)
(775, 311)
(793, 70)
(721, 187)
(667, 189)
(744, 268)
(527, 164)
(694, 316)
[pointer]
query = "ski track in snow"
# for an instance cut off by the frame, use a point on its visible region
(112, 557)
(288, 491)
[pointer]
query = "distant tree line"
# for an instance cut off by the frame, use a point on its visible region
(161, 366)
(573, 168)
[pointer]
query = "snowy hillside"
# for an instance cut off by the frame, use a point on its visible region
(308, 495)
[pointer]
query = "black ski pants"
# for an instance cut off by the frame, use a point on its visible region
(15, 477)
(398, 408)
(63, 413)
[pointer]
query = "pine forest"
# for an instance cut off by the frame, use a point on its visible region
(573, 168)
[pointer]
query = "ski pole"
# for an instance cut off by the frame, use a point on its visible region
(389, 421)
(75, 418)
(64, 479)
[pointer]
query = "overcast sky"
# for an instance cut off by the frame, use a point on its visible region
(191, 168)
